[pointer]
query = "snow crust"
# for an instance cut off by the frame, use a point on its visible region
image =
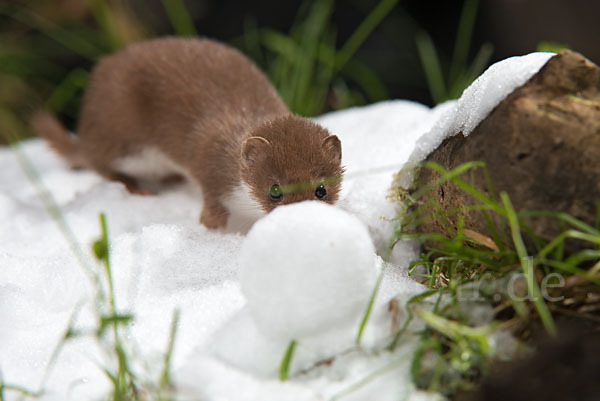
(475, 103)
(226, 347)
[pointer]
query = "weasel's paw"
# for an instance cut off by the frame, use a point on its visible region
(132, 185)
(139, 191)
(172, 179)
(214, 219)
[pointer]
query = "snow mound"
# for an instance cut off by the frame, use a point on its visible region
(227, 346)
(164, 261)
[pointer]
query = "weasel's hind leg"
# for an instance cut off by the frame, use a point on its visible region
(144, 170)
(131, 183)
(172, 179)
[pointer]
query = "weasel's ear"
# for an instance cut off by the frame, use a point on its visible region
(252, 147)
(333, 144)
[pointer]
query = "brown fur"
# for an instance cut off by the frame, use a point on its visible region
(197, 101)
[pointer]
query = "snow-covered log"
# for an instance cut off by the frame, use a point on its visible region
(541, 145)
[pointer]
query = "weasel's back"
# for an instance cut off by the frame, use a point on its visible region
(174, 84)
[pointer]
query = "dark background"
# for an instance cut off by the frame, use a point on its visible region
(37, 67)
(513, 27)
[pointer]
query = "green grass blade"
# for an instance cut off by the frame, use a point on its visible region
(455, 330)
(64, 37)
(180, 18)
(44, 194)
(284, 46)
(570, 269)
(17, 389)
(583, 256)
(370, 377)
(466, 77)
(528, 267)
(445, 175)
(453, 176)
(369, 308)
(105, 18)
(250, 40)
(313, 33)
(410, 315)
(549, 46)
(363, 31)
(69, 333)
(431, 66)
(463, 39)
(165, 378)
(576, 223)
(286, 50)
(368, 80)
(284, 368)
(560, 239)
(74, 82)
(479, 64)
(17, 61)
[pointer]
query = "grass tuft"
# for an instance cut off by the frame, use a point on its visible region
(309, 71)
(165, 377)
(461, 73)
(466, 268)
(527, 267)
(284, 368)
(123, 379)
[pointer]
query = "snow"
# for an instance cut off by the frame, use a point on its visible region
(307, 268)
(475, 103)
(228, 344)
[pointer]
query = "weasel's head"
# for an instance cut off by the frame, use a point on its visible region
(291, 159)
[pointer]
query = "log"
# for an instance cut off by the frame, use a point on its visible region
(541, 145)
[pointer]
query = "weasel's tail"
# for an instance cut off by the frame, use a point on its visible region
(48, 127)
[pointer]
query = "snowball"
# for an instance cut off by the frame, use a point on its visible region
(306, 268)
(319, 309)
(376, 141)
(257, 354)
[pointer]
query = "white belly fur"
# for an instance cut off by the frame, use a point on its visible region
(244, 210)
(149, 164)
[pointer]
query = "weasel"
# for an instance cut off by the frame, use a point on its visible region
(198, 108)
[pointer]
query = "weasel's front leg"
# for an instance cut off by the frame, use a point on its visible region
(214, 214)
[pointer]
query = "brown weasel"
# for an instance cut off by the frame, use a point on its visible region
(197, 108)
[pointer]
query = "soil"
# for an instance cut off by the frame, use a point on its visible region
(561, 369)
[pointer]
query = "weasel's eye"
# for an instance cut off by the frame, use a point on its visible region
(321, 192)
(276, 193)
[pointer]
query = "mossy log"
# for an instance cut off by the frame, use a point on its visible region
(541, 145)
